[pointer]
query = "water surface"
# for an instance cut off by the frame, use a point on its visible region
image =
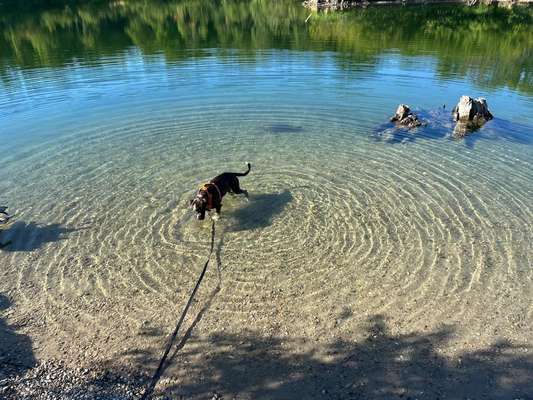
(111, 115)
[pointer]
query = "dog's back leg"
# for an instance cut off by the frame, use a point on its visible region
(235, 187)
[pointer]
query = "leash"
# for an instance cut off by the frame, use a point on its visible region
(157, 375)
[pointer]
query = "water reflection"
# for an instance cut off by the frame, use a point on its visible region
(491, 46)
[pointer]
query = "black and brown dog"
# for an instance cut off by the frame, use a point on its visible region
(209, 196)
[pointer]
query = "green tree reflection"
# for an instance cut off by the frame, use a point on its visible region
(492, 46)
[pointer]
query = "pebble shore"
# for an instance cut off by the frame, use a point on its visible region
(51, 380)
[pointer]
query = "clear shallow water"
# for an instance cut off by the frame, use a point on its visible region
(103, 146)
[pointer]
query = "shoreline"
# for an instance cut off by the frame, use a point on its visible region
(339, 5)
(54, 379)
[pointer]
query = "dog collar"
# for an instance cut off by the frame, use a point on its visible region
(205, 188)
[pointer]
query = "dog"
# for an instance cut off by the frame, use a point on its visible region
(209, 196)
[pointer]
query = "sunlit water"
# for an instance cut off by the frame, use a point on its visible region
(347, 217)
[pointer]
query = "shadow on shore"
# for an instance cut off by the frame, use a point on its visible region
(16, 353)
(381, 366)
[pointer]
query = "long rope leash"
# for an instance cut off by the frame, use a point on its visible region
(157, 375)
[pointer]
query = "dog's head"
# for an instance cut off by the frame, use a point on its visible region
(199, 205)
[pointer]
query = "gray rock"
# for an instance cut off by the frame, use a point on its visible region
(469, 109)
(404, 117)
(470, 114)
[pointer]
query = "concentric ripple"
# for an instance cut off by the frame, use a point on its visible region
(427, 231)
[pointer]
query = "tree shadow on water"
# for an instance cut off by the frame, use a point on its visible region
(500, 129)
(259, 211)
(30, 236)
(16, 353)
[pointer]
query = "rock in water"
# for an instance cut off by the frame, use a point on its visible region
(402, 112)
(469, 109)
(405, 117)
(470, 115)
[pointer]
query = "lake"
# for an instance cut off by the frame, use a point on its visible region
(369, 260)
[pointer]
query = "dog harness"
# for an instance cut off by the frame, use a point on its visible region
(205, 188)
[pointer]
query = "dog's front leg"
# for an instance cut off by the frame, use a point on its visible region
(216, 215)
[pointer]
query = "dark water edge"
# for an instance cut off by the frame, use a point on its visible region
(490, 46)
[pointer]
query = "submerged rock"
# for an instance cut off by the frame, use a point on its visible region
(470, 115)
(405, 117)
(284, 128)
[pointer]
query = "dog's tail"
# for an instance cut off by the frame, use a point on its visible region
(245, 173)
